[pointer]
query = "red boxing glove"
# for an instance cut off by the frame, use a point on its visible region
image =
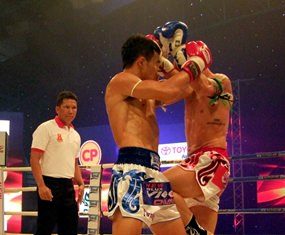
(153, 38)
(199, 57)
(200, 49)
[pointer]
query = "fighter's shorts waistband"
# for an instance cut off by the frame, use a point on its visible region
(222, 151)
(139, 156)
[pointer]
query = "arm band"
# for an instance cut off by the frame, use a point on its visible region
(134, 87)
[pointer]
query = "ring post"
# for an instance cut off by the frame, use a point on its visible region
(3, 148)
(2, 200)
(3, 158)
(95, 201)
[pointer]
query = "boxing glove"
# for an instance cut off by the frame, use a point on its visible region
(179, 56)
(171, 36)
(153, 38)
(199, 57)
(165, 66)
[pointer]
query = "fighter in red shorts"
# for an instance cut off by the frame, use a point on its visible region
(201, 178)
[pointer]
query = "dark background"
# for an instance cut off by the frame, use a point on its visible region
(50, 45)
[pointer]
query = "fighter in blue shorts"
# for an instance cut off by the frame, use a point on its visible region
(139, 193)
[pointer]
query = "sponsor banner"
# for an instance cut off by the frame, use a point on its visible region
(172, 153)
(90, 153)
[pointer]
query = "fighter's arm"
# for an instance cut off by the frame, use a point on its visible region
(205, 86)
(167, 91)
(211, 85)
(227, 84)
(180, 79)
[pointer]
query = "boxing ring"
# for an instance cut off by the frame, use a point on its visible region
(95, 192)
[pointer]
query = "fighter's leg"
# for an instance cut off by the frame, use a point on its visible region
(206, 217)
(183, 182)
(125, 225)
(169, 228)
(183, 209)
(184, 185)
(204, 221)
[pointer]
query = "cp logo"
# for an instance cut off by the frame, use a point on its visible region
(90, 153)
(165, 150)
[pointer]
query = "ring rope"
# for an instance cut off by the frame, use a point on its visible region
(241, 157)
(256, 178)
(33, 234)
(259, 155)
(107, 165)
(264, 155)
(221, 211)
(23, 189)
(237, 179)
(34, 213)
(253, 211)
(20, 168)
(23, 213)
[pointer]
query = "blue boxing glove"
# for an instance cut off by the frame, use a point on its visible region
(172, 36)
(179, 55)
